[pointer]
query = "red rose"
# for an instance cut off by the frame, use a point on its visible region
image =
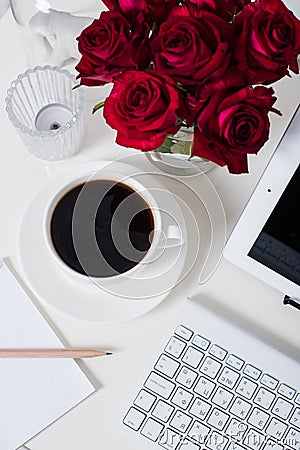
(230, 8)
(196, 98)
(130, 8)
(225, 8)
(191, 48)
(231, 125)
(268, 41)
(158, 10)
(109, 46)
(153, 10)
(143, 107)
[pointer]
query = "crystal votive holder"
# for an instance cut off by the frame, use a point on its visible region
(47, 112)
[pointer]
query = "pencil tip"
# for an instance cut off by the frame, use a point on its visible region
(109, 353)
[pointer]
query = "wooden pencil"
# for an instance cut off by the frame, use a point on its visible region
(52, 353)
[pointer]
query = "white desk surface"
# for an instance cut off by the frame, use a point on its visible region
(230, 291)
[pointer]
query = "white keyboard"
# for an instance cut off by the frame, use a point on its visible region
(214, 386)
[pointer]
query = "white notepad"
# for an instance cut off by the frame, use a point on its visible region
(33, 392)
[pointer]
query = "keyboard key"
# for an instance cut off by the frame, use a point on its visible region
(210, 367)
(186, 377)
(246, 388)
(200, 408)
(169, 439)
(199, 432)
(276, 429)
(235, 446)
(180, 421)
(188, 445)
(236, 429)
(240, 408)
(144, 400)
(192, 357)
(167, 365)
(159, 385)
(258, 418)
(254, 439)
(264, 398)
(162, 411)
(228, 377)
(252, 372)
(292, 439)
(175, 347)
(235, 362)
(182, 398)
(269, 381)
(295, 419)
(282, 408)
(297, 399)
(201, 342)
(204, 387)
(134, 418)
(286, 391)
(184, 332)
(271, 445)
(216, 441)
(217, 352)
(152, 429)
(222, 397)
(218, 419)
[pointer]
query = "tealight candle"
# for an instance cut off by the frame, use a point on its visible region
(52, 117)
(47, 112)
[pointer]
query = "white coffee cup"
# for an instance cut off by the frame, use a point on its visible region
(166, 232)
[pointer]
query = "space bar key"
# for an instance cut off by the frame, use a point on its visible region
(159, 385)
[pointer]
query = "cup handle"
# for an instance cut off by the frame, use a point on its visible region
(172, 238)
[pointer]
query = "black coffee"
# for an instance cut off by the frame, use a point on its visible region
(101, 228)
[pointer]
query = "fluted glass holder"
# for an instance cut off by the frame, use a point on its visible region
(47, 112)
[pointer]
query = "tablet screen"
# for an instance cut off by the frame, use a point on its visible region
(278, 244)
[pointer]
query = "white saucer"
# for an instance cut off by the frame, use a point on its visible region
(55, 288)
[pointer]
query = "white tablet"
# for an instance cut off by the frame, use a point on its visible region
(266, 239)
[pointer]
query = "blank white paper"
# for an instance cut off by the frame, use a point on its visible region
(33, 392)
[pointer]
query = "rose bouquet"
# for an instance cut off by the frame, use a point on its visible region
(191, 63)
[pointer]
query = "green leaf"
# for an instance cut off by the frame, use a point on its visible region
(98, 106)
(165, 147)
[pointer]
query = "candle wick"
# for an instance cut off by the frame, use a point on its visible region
(54, 126)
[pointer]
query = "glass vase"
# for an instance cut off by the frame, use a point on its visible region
(174, 155)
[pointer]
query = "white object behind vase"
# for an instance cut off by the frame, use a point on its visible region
(4, 5)
(48, 30)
